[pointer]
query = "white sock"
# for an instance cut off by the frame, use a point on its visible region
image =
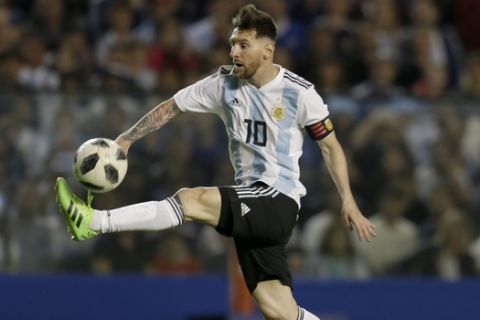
(305, 315)
(152, 215)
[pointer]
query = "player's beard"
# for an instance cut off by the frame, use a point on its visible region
(248, 71)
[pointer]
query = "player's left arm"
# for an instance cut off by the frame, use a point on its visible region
(336, 163)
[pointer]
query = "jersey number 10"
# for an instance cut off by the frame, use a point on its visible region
(256, 131)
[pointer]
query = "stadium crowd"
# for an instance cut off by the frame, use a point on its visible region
(401, 78)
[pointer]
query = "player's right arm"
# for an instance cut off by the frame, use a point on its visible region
(202, 96)
(152, 121)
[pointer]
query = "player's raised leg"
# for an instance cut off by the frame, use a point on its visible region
(199, 204)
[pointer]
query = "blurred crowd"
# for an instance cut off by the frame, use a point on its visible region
(401, 78)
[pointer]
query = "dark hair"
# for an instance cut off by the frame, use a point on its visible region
(249, 17)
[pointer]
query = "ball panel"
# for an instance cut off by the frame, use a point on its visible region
(101, 143)
(121, 155)
(89, 163)
(111, 173)
(92, 186)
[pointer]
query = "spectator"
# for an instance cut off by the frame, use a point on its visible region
(290, 34)
(10, 32)
(470, 145)
(470, 88)
(174, 256)
(10, 66)
(50, 17)
(447, 257)
(380, 89)
(35, 72)
(397, 237)
(385, 18)
(446, 170)
(428, 43)
(432, 84)
(336, 17)
(466, 23)
(453, 236)
(297, 261)
(159, 14)
(31, 231)
(337, 257)
(120, 20)
(213, 250)
(208, 32)
(75, 62)
(122, 253)
(379, 152)
(315, 228)
(329, 77)
(168, 50)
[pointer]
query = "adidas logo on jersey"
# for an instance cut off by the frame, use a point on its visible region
(234, 102)
(244, 208)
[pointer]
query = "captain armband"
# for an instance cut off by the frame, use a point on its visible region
(320, 129)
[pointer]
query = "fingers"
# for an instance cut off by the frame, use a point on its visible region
(365, 230)
(347, 222)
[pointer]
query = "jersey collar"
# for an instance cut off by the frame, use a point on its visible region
(271, 83)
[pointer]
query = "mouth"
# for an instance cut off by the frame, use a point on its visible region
(237, 66)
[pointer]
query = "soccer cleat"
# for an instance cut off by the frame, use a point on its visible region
(79, 215)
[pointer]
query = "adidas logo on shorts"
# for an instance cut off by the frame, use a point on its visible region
(244, 208)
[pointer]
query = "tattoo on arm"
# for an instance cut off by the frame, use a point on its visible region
(153, 120)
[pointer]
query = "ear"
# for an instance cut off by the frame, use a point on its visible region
(268, 50)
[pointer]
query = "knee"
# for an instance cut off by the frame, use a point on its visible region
(186, 194)
(191, 196)
(201, 204)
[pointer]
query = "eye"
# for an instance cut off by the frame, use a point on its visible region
(244, 45)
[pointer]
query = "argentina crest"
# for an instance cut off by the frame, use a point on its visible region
(278, 112)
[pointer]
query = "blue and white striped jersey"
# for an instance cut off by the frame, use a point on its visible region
(264, 125)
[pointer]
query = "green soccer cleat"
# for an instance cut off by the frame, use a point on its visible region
(79, 215)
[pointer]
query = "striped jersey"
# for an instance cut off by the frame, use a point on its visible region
(264, 125)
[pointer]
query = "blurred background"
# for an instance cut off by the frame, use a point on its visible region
(401, 78)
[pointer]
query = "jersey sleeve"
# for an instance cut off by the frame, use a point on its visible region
(312, 109)
(202, 96)
(313, 115)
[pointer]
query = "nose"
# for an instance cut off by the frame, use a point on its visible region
(234, 52)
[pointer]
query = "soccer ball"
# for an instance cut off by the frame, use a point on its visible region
(99, 165)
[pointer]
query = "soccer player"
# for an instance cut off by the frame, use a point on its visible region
(265, 109)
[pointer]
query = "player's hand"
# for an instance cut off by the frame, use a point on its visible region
(123, 143)
(354, 219)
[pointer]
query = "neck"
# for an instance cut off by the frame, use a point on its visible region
(264, 75)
